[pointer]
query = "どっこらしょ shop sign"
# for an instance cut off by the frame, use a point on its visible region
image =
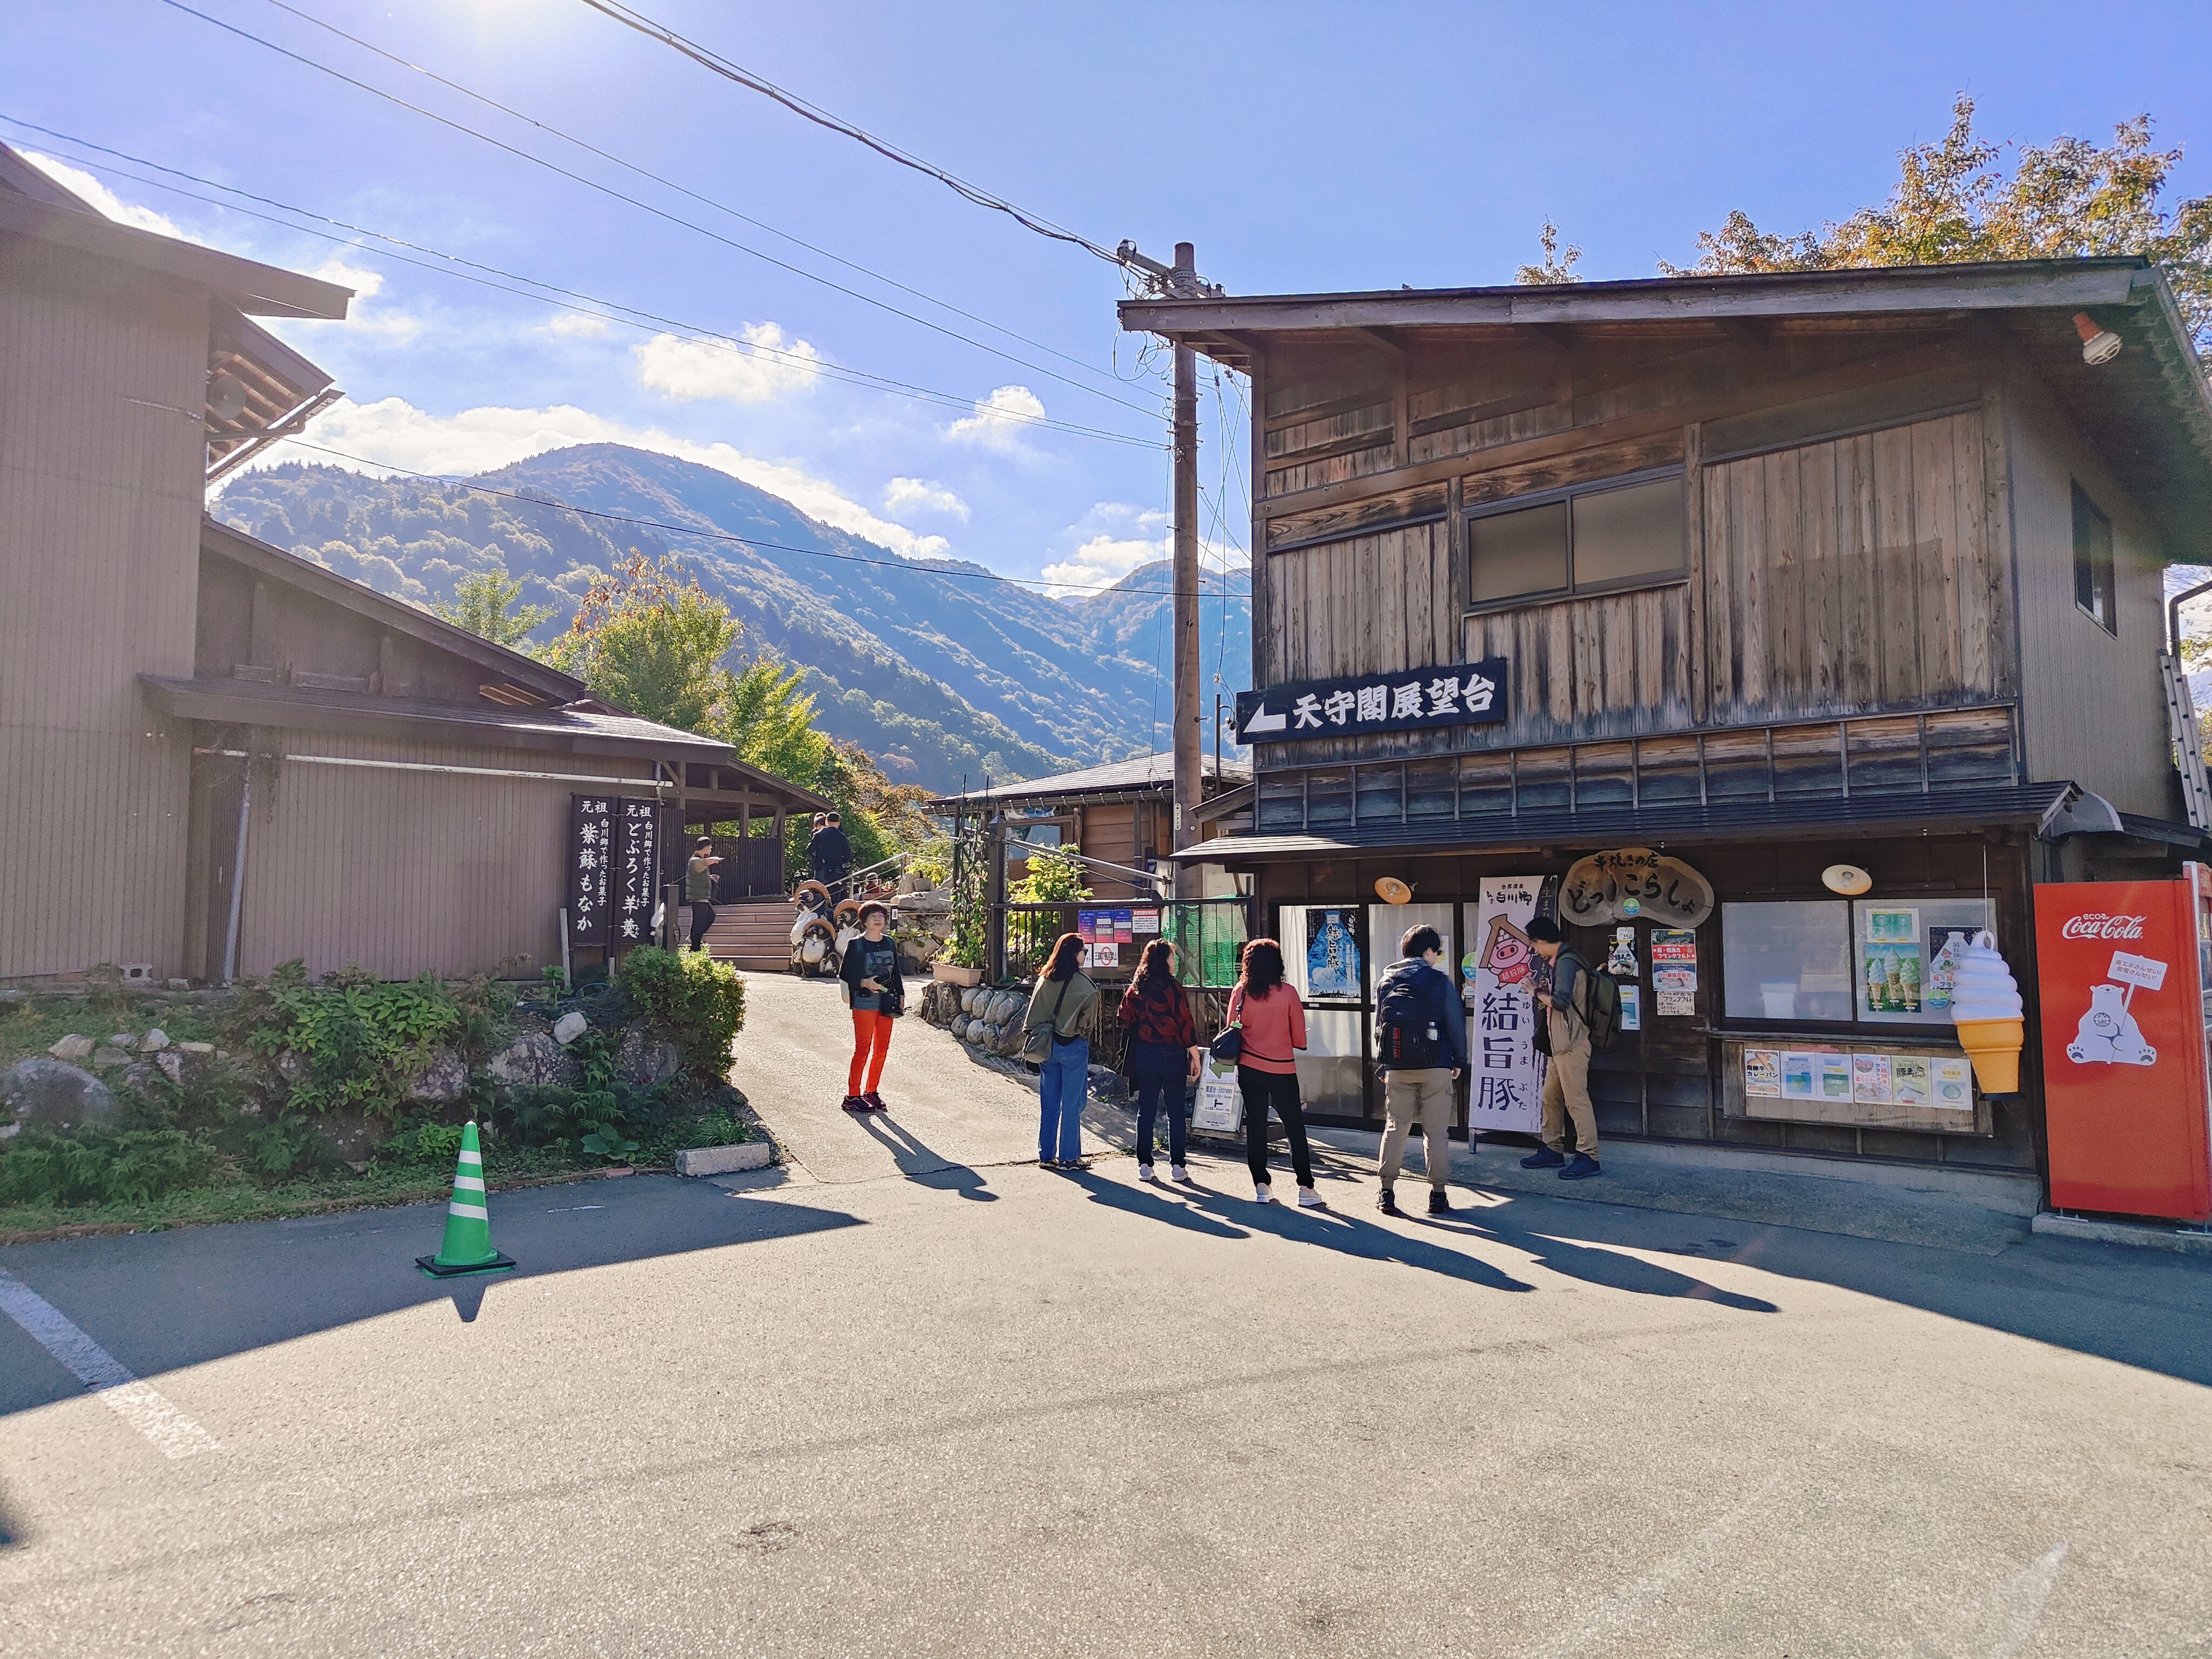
(1468, 694)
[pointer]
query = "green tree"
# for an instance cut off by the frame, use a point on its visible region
(1954, 201)
(489, 605)
(769, 720)
(651, 642)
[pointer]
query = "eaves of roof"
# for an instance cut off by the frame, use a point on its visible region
(257, 289)
(1944, 811)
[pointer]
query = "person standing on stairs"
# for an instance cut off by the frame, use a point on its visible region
(699, 889)
(877, 993)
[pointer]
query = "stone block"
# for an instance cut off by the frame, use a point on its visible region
(443, 1081)
(179, 985)
(646, 1058)
(570, 1026)
(535, 1059)
(48, 1094)
(154, 1041)
(72, 1046)
(196, 1047)
(123, 1040)
(725, 1160)
(106, 1057)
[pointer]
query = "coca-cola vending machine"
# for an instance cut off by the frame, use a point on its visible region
(2124, 968)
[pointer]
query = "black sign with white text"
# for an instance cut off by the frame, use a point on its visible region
(591, 861)
(1471, 694)
(637, 873)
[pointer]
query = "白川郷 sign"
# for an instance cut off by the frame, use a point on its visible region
(1469, 694)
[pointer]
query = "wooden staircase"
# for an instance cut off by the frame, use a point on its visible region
(751, 934)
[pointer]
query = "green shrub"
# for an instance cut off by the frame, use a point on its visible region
(362, 1038)
(699, 1002)
(102, 1166)
(432, 1144)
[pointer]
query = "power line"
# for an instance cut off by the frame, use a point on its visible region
(659, 213)
(683, 190)
(652, 321)
(913, 566)
(745, 77)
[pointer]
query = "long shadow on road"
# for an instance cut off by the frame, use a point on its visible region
(168, 1300)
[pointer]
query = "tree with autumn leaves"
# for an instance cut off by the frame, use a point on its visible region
(1957, 201)
(649, 638)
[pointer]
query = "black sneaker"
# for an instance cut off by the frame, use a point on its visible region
(873, 1102)
(1388, 1203)
(854, 1104)
(1543, 1159)
(1438, 1204)
(1582, 1168)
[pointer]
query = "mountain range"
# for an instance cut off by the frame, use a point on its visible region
(939, 667)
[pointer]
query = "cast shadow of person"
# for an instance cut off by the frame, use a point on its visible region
(1349, 1234)
(1609, 1268)
(1155, 1207)
(920, 1164)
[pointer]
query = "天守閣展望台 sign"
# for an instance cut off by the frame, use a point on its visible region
(1414, 699)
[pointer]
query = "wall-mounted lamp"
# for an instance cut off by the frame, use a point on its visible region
(2099, 345)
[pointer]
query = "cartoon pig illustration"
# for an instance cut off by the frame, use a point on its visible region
(2108, 1034)
(1507, 953)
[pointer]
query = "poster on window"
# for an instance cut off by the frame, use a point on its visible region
(590, 859)
(1506, 1083)
(1333, 954)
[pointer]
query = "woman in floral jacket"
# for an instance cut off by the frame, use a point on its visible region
(1163, 1054)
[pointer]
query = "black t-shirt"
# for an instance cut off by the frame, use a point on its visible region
(878, 960)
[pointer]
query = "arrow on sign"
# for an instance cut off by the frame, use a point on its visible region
(1261, 720)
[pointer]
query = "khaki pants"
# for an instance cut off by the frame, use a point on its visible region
(1427, 1095)
(1566, 1088)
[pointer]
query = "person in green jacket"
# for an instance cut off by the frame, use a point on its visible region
(1064, 998)
(699, 888)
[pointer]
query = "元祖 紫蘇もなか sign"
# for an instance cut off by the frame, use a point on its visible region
(591, 867)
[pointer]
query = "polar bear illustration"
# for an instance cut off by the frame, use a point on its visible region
(2108, 1033)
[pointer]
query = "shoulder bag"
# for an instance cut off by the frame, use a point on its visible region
(1229, 1046)
(1036, 1047)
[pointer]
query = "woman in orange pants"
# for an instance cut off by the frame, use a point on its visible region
(877, 992)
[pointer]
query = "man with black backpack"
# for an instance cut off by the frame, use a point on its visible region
(1421, 1041)
(1571, 1000)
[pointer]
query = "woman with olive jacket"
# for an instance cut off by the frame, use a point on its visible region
(1063, 1000)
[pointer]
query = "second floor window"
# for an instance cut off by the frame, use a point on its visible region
(1611, 534)
(2093, 563)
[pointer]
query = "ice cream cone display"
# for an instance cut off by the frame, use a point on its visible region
(1990, 1018)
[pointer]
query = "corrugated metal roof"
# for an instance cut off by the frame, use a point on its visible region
(1139, 772)
(1716, 821)
(254, 704)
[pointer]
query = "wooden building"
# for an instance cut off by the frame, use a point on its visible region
(1764, 574)
(411, 784)
(1121, 813)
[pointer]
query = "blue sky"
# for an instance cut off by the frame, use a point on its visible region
(1302, 147)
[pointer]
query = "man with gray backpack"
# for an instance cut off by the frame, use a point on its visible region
(1420, 1038)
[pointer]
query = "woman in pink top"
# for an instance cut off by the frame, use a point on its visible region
(1274, 1029)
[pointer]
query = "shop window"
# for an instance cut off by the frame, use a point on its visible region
(1869, 962)
(1590, 539)
(2093, 563)
(1037, 835)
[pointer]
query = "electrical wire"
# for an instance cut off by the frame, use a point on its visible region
(683, 190)
(653, 322)
(745, 77)
(915, 567)
(648, 207)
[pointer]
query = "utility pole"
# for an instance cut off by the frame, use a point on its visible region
(1189, 780)
(1180, 281)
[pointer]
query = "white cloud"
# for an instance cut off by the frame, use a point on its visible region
(81, 182)
(576, 325)
(400, 327)
(689, 370)
(999, 420)
(912, 496)
(394, 434)
(1120, 537)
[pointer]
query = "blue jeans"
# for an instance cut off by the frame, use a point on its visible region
(1063, 1082)
(1159, 1071)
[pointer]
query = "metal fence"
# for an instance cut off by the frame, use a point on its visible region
(1208, 935)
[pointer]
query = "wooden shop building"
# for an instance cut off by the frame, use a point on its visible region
(1655, 601)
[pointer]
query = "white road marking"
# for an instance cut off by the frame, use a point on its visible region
(143, 1406)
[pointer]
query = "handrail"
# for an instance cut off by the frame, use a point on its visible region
(1082, 857)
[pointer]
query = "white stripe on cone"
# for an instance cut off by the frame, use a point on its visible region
(468, 1211)
(468, 1183)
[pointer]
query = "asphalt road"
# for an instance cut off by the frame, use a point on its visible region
(984, 1409)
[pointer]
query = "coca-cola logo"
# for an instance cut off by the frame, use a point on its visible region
(2097, 925)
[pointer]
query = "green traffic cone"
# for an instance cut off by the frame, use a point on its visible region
(467, 1249)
